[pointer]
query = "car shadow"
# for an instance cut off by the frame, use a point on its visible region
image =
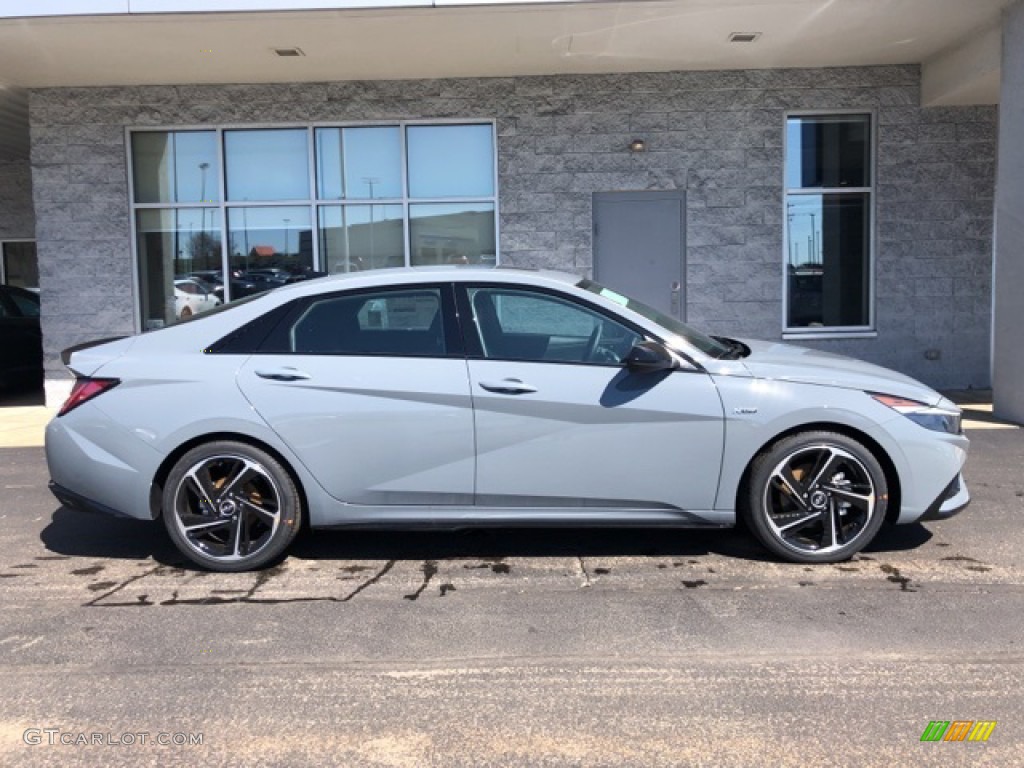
(92, 535)
(899, 538)
(497, 543)
(85, 534)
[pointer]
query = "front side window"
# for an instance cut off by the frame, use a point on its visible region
(829, 205)
(245, 210)
(400, 323)
(513, 324)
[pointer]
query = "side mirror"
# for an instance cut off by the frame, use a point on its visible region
(649, 356)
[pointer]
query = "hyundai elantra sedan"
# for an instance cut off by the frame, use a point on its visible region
(457, 397)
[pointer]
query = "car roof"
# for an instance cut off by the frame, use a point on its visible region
(431, 274)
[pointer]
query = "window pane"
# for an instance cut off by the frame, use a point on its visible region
(329, 168)
(450, 160)
(368, 159)
(828, 260)
(519, 325)
(267, 164)
(20, 265)
(175, 167)
(268, 246)
(399, 323)
(356, 237)
(828, 151)
(174, 246)
(461, 233)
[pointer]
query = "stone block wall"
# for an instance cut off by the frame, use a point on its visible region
(718, 135)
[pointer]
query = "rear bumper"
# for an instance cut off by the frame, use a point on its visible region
(953, 499)
(95, 464)
(79, 502)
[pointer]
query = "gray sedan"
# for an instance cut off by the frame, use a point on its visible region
(455, 397)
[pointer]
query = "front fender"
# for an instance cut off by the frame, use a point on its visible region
(757, 411)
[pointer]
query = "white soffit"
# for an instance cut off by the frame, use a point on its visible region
(469, 39)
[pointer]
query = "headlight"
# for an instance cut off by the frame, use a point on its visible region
(928, 416)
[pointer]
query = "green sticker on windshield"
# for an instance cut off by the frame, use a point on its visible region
(618, 298)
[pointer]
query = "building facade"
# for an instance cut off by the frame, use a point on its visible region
(717, 136)
(827, 206)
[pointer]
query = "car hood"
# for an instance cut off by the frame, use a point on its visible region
(786, 362)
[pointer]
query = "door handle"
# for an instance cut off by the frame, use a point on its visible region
(508, 387)
(676, 291)
(283, 374)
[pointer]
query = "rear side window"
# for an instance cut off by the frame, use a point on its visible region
(399, 323)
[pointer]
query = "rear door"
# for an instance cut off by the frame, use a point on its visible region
(370, 390)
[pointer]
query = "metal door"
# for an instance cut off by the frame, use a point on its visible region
(639, 247)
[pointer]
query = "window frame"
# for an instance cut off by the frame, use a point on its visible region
(472, 343)
(312, 202)
(837, 331)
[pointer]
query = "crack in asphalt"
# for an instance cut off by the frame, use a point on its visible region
(95, 601)
(429, 571)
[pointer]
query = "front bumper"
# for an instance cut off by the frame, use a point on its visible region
(953, 499)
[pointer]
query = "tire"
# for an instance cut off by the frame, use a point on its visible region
(229, 506)
(186, 313)
(816, 497)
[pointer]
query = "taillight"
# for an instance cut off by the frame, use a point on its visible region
(86, 389)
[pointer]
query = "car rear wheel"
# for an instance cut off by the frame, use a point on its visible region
(229, 506)
(816, 497)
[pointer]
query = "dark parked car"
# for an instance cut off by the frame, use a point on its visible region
(21, 342)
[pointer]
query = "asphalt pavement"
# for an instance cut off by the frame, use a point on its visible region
(518, 648)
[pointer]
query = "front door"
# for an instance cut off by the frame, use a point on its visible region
(639, 246)
(561, 423)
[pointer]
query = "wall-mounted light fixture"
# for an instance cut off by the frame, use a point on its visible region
(637, 145)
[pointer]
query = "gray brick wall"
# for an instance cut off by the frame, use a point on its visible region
(718, 135)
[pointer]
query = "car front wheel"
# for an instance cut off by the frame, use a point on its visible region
(816, 497)
(229, 506)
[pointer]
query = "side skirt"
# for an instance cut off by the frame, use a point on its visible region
(450, 518)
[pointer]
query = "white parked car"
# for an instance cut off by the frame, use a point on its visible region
(191, 298)
(452, 397)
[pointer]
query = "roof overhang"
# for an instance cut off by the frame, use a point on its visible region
(51, 43)
(174, 41)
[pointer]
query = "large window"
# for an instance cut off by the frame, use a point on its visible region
(243, 210)
(829, 204)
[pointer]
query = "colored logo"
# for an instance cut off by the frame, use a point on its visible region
(958, 730)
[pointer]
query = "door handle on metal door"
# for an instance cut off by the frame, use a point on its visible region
(676, 290)
(508, 387)
(283, 374)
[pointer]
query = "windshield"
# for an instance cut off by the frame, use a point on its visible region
(704, 343)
